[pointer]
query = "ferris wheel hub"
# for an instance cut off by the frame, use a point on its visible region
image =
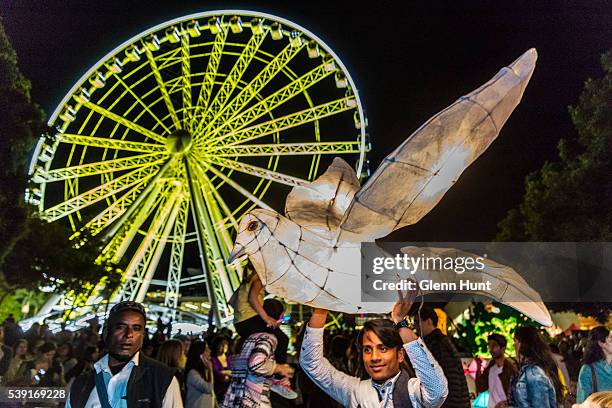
(179, 141)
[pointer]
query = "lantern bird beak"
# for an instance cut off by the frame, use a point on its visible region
(237, 252)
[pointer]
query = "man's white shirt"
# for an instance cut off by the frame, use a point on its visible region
(116, 387)
(429, 389)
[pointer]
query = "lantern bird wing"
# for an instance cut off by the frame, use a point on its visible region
(321, 205)
(484, 277)
(415, 177)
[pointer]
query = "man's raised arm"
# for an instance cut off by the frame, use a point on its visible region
(334, 382)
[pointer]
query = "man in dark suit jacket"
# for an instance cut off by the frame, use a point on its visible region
(445, 353)
(125, 378)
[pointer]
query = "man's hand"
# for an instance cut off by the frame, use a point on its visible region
(271, 322)
(403, 305)
(400, 311)
(318, 318)
(284, 370)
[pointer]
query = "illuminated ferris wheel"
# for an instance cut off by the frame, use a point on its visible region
(166, 142)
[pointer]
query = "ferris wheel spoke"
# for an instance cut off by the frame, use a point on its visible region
(162, 88)
(216, 260)
(276, 99)
(111, 213)
(239, 188)
(177, 250)
(145, 254)
(216, 284)
(159, 250)
(289, 149)
(106, 143)
(96, 194)
(233, 78)
(283, 123)
(212, 204)
(258, 172)
(141, 103)
(186, 79)
(123, 121)
(228, 214)
(153, 184)
(255, 86)
(216, 276)
(209, 77)
(126, 231)
(175, 85)
(92, 169)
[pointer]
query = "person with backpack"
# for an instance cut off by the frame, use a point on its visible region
(444, 351)
(596, 371)
(250, 315)
(537, 383)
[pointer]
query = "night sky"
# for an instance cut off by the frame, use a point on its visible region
(409, 61)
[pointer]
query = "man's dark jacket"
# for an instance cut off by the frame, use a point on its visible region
(7, 356)
(508, 370)
(146, 387)
(447, 356)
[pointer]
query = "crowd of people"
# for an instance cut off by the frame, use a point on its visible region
(388, 363)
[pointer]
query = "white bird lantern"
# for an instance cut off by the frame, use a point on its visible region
(313, 255)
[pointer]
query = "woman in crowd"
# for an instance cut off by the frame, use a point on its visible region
(199, 379)
(171, 354)
(537, 383)
(20, 353)
(596, 372)
(221, 365)
(43, 371)
(65, 357)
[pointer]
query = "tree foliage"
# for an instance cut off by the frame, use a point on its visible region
(32, 252)
(21, 303)
(20, 124)
(44, 256)
(472, 332)
(571, 199)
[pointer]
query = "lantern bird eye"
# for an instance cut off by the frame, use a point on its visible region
(253, 225)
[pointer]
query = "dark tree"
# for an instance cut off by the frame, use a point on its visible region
(44, 256)
(20, 125)
(32, 252)
(571, 199)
